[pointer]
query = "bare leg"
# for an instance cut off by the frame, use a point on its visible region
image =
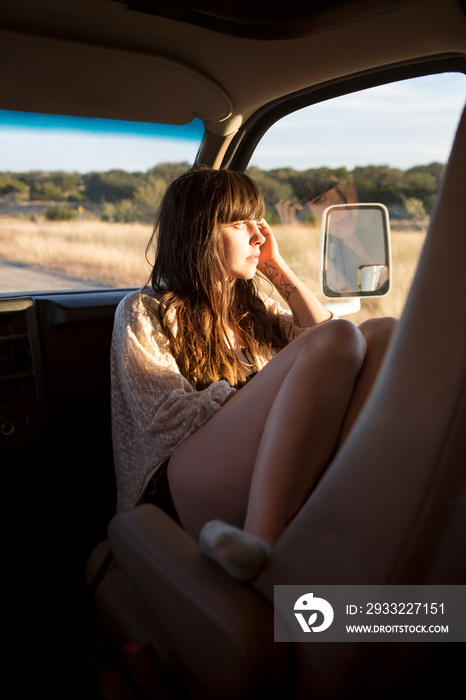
(256, 461)
(378, 333)
(300, 436)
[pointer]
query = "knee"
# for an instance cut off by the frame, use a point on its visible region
(341, 344)
(378, 332)
(347, 343)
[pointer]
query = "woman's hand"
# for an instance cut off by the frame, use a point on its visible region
(306, 308)
(269, 252)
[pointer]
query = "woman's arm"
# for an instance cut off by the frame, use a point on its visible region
(306, 308)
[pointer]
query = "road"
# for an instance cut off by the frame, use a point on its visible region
(19, 278)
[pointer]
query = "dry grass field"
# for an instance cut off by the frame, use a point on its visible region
(104, 253)
(113, 254)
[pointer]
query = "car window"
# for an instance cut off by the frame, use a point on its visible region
(387, 144)
(78, 197)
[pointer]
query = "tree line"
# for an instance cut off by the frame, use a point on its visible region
(124, 196)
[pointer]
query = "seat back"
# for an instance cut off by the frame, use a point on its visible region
(391, 508)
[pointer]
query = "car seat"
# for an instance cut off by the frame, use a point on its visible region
(390, 509)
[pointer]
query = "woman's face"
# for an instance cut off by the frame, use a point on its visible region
(343, 223)
(326, 199)
(241, 243)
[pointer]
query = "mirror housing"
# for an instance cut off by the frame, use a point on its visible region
(355, 251)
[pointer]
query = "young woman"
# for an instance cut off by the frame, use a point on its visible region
(227, 408)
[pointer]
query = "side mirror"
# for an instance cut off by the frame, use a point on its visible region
(355, 254)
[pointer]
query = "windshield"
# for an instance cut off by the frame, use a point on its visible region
(78, 196)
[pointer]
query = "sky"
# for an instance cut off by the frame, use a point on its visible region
(40, 142)
(400, 125)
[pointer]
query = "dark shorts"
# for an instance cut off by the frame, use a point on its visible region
(158, 492)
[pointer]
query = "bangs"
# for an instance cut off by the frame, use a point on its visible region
(241, 200)
(317, 189)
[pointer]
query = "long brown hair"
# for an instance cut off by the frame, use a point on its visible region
(190, 276)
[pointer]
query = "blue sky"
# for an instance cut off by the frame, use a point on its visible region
(46, 142)
(401, 125)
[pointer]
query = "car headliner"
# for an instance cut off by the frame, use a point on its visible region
(117, 59)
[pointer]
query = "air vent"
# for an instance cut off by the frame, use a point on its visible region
(15, 357)
(22, 397)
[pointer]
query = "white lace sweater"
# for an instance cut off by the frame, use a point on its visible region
(154, 408)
